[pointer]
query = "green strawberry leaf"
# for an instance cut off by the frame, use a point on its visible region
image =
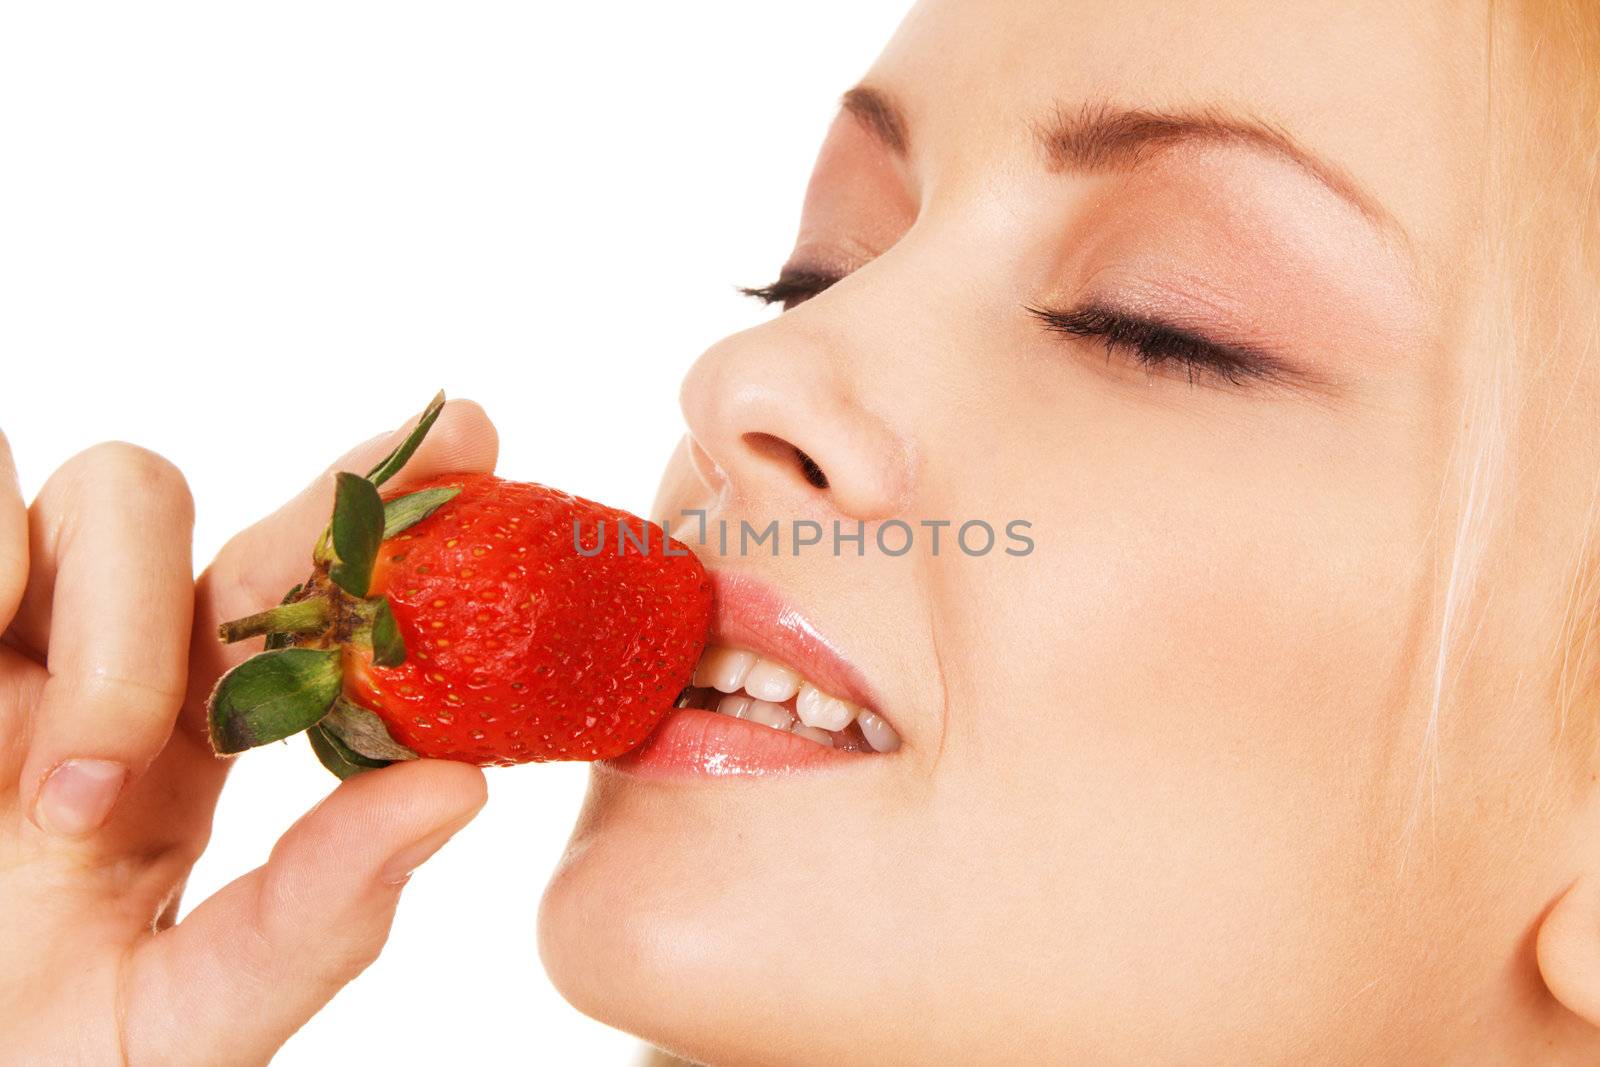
(388, 647)
(363, 733)
(337, 757)
(404, 512)
(272, 695)
(395, 460)
(357, 533)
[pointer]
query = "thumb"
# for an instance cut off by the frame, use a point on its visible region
(251, 964)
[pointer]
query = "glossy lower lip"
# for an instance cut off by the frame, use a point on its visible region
(694, 743)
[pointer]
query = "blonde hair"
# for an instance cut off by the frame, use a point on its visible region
(1536, 391)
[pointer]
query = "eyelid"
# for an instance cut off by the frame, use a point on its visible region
(1153, 342)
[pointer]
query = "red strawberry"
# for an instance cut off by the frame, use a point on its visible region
(519, 646)
(461, 621)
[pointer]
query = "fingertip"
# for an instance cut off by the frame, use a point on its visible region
(465, 782)
(386, 812)
(464, 439)
(417, 806)
(422, 787)
(461, 439)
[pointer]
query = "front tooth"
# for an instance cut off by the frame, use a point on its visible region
(768, 714)
(724, 669)
(734, 704)
(771, 681)
(879, 734)
(822, 711)
(821, 737)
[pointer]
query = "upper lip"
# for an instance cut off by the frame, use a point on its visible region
(749, 614)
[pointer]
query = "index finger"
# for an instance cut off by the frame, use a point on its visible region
(256, 568)
(111, 593)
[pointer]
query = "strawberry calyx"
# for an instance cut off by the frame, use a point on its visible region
(297, 683)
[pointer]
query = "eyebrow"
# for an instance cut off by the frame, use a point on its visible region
(1100, 136)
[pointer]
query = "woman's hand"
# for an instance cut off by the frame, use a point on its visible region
(108, 783)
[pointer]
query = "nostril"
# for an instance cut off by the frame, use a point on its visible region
(784, 452)
(812, 472)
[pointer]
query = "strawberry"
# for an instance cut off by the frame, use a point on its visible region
(462, 621)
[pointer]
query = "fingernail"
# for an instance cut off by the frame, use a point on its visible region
(408, 859)
(78, 796)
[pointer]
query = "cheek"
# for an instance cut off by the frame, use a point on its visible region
(1187, 710)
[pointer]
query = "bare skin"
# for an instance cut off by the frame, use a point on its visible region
(110, 784)
(1180, 786)
(1170, 791)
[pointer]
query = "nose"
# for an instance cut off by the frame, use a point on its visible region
(775, 414)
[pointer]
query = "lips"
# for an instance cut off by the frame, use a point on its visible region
(771, 695)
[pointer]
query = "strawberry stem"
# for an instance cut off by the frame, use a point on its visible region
(305, 617)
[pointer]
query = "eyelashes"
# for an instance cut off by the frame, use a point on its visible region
(1157, 345)
(794, 286)
(1152, 344)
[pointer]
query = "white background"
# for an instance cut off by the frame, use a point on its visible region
(225, 224)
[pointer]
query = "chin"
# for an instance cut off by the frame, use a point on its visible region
(701, 921)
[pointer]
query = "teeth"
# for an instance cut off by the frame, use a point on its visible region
(879, 734)
(724, 669)
(769, 714)
(766, 687)
(771, 681)
(821, 737)
(822, 711)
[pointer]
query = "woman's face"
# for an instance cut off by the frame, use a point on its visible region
(1164, 791)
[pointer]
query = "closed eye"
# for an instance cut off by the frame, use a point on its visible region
(1157, 345)
(1147, 341)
